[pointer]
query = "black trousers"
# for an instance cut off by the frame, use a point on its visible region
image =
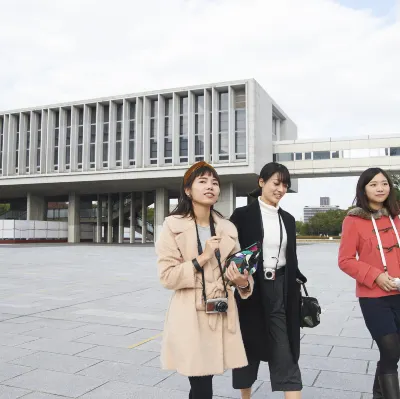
(284, 371)
(201, 387)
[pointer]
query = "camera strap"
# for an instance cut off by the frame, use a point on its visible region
(217, 255)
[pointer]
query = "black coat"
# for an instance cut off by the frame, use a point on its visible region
(253, 311)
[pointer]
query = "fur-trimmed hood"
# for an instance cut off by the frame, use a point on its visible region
(361, 213)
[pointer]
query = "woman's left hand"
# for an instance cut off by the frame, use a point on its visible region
(236, 277)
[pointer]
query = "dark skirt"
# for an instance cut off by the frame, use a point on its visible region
(381, 315)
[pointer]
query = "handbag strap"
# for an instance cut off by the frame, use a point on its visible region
(217, 255)
(380, 241)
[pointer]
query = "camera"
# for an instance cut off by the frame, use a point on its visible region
(217, 305)
(269, 274)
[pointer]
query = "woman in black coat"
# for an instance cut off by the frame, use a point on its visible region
(270, 318)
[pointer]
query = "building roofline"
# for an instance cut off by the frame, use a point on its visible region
(122, 96)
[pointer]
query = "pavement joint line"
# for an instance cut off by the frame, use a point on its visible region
(145, 341)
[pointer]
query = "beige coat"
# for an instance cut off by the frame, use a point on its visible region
(196, 343)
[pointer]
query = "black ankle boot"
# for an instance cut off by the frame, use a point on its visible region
(376, 390)
(390, 386)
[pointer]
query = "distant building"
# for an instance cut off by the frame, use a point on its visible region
(310, 211)
(324, 201)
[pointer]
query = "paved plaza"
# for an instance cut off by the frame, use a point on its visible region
(85, 321)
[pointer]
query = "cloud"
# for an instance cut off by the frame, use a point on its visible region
(333, 69)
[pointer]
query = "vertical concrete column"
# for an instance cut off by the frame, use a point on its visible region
(109, 220)
(144, 218)
(160, 211)
(207, 125)
(191, 128)
(36, 207)
(215, 126)
(132, 227)
(74, 226)
(278, 129)
(231, 123)
(227, 199)
(99, 215)
(121, 218)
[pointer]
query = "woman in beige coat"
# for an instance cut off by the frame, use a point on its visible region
(196, 343)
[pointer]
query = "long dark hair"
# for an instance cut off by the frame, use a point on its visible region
(361, 199)
(268, 171)
(185, 205)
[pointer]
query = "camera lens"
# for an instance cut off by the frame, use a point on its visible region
(221, 307)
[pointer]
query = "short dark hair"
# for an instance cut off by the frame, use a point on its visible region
(361, 199)
(268, 171)
(185, 206)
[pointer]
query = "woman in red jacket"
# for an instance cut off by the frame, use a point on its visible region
(369, 252)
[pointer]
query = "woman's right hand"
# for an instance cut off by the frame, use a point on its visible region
(212, 245)
(384, 281)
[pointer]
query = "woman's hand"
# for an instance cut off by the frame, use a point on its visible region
(384, 281)
(212, 244)
(233, 274)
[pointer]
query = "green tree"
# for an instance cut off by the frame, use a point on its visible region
(396, 183)
(4, 208)
(329, 222)
(150, 215)
(299, 225)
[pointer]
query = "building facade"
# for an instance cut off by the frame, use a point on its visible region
(121, 154)
(325, 206)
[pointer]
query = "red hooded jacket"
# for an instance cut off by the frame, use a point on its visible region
(359, 254)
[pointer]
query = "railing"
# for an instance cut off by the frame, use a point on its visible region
(13, 215)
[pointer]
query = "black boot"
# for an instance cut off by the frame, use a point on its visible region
(390, 386)
(376, 390)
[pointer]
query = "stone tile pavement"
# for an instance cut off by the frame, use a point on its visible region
(85, 321)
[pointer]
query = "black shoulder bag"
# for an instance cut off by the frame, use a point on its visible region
(310, 310)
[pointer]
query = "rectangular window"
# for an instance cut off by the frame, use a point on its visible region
(132, 116)
(285, 157)
(17, 144)
(183, 129)
(28, 141)
(68, 141)
(320, 155)
(168, 131)
(106, 127)
(80, 137)
(298, 156)
(118, 136)
(39, 139)
(308, 156)
(223, 126)
(153, 131)
(56, 137)
(394, 151)
(199, 127)
(335, 154)
(240, 124)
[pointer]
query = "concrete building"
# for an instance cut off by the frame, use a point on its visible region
(325, 206)
(324, 201)
(109, 159)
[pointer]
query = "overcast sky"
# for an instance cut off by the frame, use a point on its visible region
(333, 66)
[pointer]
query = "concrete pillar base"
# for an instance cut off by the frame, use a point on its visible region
(227, 200)
(36, 207)
(74, 226)
(161, 210)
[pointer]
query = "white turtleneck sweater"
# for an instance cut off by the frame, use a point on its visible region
(270, 220)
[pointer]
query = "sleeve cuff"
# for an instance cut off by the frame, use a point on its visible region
(370, 277)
